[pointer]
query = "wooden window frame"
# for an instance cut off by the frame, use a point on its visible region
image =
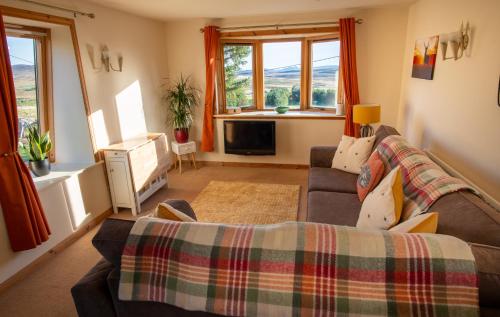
(340, 90)
(258, 69)
(42, 38)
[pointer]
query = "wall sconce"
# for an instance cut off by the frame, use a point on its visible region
(458, 42)
(106, 60)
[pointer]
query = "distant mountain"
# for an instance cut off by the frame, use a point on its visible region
(318, 72)
(23, 72)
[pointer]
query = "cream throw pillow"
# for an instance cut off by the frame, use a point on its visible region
(382, 207)
(425, 223)
(352, 153)
(165, 211)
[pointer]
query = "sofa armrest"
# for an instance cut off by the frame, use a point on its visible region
(322, 156)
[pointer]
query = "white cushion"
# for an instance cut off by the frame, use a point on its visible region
(352, 153)
(382, 207)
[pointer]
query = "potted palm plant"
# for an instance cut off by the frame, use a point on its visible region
(36, 149)
(181, 98)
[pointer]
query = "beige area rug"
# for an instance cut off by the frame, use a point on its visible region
(247, 203)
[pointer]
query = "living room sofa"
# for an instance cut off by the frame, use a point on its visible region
(332, 198)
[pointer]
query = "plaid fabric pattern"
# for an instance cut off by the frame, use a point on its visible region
(297, 269)
(424, 181)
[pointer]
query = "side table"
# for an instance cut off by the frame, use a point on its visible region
(180, 149)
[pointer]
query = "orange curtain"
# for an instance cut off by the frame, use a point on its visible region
(349, 72)
(24, 218)
(211, 35)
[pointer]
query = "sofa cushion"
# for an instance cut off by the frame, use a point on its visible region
(332, 180)
(425, 223)
(371, 174)
(352, 153)
(382, 132)
(91, 294)
(488, 270)
(111, 237)
(468, 217)
(333, 208)
(166, 211)
(382, 207)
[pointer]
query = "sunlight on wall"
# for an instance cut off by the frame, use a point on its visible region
(131, 112)
(100, 131)
(74, 202)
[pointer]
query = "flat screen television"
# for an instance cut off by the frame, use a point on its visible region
(250, 137)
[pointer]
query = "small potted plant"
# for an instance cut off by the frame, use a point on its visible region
(181, 98)
(36, 150)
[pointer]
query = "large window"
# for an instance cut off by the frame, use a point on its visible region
(261, 74)
(282, 72)
(28, 52)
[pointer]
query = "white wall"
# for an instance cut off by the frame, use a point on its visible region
(72, 136)
(456, 114)
(141, 41)
(380, 47)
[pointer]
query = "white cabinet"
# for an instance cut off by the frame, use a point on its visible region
(119, 181)
(136, 169)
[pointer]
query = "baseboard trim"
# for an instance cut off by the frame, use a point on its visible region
(54, 251)
(250, 164)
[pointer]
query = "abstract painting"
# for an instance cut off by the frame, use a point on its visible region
(424, 58)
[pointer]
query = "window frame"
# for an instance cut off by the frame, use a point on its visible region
(43, 63)
(258, 71)
(340, 90)
(222, 88)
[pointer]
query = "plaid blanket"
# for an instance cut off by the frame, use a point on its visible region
(424, 181)
(297, 269)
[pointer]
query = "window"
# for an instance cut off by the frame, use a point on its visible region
(28, 52)
(325, 73)
(263, 73)
(238, 75)
(282, 73)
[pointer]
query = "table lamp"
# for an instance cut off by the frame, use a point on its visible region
(365, 114)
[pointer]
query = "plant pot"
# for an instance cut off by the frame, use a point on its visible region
(281, 109)
(181, 135)
(40, 168)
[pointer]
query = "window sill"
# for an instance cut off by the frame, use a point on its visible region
(58, 173)
(316, 115)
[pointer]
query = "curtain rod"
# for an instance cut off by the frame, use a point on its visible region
(278, 26)
(74, 12)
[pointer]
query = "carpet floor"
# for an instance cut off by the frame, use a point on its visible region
(46, 292)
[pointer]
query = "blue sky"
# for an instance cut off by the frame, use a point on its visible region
(282, 54)
(20, 50)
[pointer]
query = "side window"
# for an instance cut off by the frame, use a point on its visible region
(325, 73)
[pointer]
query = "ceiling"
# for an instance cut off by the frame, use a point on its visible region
(184, 9)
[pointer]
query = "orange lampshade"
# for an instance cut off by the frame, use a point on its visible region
(366, 113)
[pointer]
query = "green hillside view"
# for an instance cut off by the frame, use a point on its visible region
(26, 96)
(281, 85)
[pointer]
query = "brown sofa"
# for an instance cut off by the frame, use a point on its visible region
(332, 199)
